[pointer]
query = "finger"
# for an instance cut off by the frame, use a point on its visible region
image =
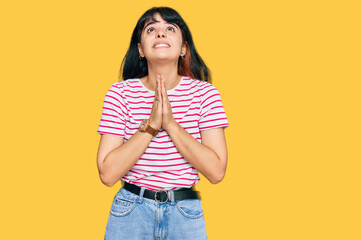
(157, 85)
(159, 89)
(164, 90)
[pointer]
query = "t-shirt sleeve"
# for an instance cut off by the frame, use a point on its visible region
(114, 112)
(212, 111)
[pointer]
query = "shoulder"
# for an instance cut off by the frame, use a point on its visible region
(116, 93)
(120, 86)
(198, 85)
(125, 83)
(209, 94)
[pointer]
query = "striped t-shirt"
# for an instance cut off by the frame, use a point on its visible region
(196, 106)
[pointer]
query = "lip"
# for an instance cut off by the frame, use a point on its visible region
(161, 46)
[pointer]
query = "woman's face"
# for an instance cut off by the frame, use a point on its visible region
(161, 40)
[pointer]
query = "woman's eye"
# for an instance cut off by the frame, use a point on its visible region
(171, 29)
(150, 30)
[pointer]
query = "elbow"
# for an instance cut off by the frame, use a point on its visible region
(218, 175)
(108, 184)
(217, 178)
(107, 181)
(106, 176)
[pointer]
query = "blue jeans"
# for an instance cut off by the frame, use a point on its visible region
(133, 217)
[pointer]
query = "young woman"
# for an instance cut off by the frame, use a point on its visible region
(161, 126)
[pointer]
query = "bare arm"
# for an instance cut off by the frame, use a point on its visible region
(208, 157)
(116, 158)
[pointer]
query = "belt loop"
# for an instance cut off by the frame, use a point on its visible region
(140, 198)
(172, 197)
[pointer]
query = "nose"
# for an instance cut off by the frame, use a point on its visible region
(160, 34)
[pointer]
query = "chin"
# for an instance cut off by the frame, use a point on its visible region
(163, 58)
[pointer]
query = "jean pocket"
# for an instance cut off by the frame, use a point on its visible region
(190, 208)
(122, 205)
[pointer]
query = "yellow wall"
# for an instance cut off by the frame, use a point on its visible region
(288, 73)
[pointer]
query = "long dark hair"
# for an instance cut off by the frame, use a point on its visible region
(191, 65)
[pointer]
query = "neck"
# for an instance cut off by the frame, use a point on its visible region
(169, 72)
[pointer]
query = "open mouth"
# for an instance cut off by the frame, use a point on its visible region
(161, 45)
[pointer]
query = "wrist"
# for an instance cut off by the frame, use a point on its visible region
(172, 126)
(152, 124)
(144, 126)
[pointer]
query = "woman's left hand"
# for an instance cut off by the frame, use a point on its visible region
(167, 115)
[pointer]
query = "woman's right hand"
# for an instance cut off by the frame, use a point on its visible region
(155, 119)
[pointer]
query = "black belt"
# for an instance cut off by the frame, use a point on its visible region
(162, 196)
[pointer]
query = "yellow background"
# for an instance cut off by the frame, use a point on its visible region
(289, 76)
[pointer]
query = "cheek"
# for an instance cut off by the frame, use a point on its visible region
(180, 42)
(145, 44)
(180, 47)
(145, 38)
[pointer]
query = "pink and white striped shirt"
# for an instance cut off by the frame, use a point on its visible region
(196, 106)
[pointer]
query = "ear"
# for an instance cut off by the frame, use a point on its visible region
(140, 50)
(183, 49)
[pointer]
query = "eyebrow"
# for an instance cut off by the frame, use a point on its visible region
(153, 22)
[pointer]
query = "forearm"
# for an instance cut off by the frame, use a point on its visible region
(120, 160)
(201, 157)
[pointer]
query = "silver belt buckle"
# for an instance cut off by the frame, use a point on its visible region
(158, 201)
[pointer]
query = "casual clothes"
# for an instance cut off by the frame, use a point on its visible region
(196, 106)
(136, 218)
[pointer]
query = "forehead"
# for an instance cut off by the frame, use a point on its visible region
(157, 18)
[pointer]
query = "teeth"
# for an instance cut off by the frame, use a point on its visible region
(161, 45)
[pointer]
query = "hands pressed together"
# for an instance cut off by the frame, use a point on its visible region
(161, 115)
